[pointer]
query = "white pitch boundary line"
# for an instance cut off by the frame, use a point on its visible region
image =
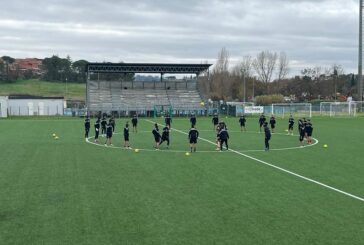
(281, 169)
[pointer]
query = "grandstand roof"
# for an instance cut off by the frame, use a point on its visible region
(147, 68)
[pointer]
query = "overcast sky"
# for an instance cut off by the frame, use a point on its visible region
(311, 32)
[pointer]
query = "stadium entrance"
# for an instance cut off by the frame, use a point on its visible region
(111, 88)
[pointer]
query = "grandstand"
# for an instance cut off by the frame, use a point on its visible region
(140, 96)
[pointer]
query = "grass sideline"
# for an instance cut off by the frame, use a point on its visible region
(69, 192)
(75, 91)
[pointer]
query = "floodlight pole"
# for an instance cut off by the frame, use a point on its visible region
(360, 66)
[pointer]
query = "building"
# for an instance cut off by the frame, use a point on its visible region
(28, 64)
(3, 106)
(26, 105)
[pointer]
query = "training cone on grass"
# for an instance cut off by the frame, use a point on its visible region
(136, 150)
(325, 146)
(56, 138)
(54, 135)
(187, 154)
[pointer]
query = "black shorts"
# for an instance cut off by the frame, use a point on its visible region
(290, 127)
(309, 134)
(193, 141)
(108, 135)
(301, 137)
(134, 124)
(261, 124)
(157, 140)
(242, 124)
(126, 137)
(273, 126)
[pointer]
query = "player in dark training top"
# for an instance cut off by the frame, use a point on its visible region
(126, 135)
(290, 124)
(87, 126)
(97, 130)
(134, 122)
(168, 120)
(193, 136)
(112, 122)
(223, 137)
(309, 130)
(261, 122)
(108, 134)
(267, 136)
(215, 120)
(157, 136)
(242, 121)
(165, 136)
(103, 125)
(193, 120)
(301, 131)
(272, 123)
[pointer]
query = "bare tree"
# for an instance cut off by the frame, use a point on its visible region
(220, 86)
(283, 66)
(264, 65)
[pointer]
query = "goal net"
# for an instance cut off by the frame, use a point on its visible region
(284, 110)
(341, 109)
(162, 110)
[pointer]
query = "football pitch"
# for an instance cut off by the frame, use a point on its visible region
(69, 191)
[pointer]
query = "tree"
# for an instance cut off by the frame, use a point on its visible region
(7, 62)
(283, 66)
(264, 65)
(220, 86)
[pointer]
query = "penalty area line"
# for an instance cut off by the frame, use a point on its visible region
(279, 168)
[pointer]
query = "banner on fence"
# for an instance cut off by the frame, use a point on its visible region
(253, 109)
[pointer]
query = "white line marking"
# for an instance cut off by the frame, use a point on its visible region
(279, 168)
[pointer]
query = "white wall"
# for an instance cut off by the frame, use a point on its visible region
(33, 107)
(3, 106)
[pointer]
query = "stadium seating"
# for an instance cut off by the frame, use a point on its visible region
(116, 96)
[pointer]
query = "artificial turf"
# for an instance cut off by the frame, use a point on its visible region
(67, 191)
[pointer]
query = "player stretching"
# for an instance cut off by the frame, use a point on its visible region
(168, 120)
(261, 122)
(242, 122)
(157, 136)
(193, 136)
(290, 125)
(272, 123)
(267, 136)
(308, 130)
(126, 135)
(97, 130)
(134, 121)
(87, 127)
(193, 120)
(165, 136)
(215, 120)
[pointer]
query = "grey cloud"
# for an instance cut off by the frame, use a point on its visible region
(309, 31)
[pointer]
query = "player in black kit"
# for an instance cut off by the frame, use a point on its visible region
(103, 125)
(134, 122)
(168, 120)
(157, 136)
(97, 130)
(112, 122)
(272, 123)
(193, 120)
(87, 126)
(261, 122)
(290, 124)
(242, 122)
(309, 130)
(267, 135)
(108, 134)
(165, 136)
(223, 137)
(126, 135)
(215, 120)
(193, 136)
(301, 131)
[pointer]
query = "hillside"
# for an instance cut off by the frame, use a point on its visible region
(75, 91)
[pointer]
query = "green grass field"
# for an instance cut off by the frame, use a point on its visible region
(67, 191)
(74, 91)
